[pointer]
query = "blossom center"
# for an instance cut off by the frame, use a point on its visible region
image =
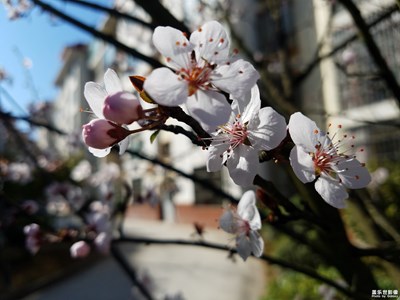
(323, 159)
(243, 226)
(236, 134)
(197, 77)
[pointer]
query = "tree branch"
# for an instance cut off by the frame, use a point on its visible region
(105, 37)
(264, 257)
(373, 49)
(112, 12)
(343, 44)
(205, 183)
(124, 263)
(161, 15)
(179, 130)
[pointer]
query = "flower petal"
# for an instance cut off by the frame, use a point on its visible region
(227, 222)
(209, 108)
(243, 165)
(303, 131)
(353, 174)
(172, 44)
(248, 109)
(211, 42)
(248, 211)
(243, 246)
(123, 145)
(246, 206)
(331, 191)
(271, 130)
(165, 87)
(302, 164)
(99, 152)
(215, 156)
(95, 95)
(256, 243)
(112, 82)
(236, 78)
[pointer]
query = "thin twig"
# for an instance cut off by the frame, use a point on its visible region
(112, 12)
(124, 263)
(303, 75)
(106, 37)
(373, 49)
(205, 183)
(179, 130)
(264, 257)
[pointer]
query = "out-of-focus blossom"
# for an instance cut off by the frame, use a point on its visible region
(237, 143)
(348, 56)
(30, 207)
(316, 156)
(203, 67)
(16, 9)
(27, 63)
(81, 171)
(107, 173)
(244, 223)
(99, 216)
(58, 206)
(378, 177)
(102, 242)
(64, 192)
(20, 172)
(79, 249)
(32, 237)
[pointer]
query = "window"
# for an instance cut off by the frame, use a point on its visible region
(359, 83)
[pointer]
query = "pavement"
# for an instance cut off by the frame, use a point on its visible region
(192, 272)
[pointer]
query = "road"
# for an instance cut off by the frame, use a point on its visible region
(195, 273)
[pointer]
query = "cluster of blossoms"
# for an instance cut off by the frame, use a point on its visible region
(219, 90)
(79, 211)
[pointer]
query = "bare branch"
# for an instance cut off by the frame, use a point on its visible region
(112, 12)
(124, 263)
(161, 15)
(264, 257)
(106, 37)
(373, 48)
(343, 44)
(205, 183)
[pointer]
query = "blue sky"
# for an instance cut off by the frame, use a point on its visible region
(41, 38)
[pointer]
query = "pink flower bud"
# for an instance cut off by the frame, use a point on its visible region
(101, 134)
(122, 108)
(79, 249)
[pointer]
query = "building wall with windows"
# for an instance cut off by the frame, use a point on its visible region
(367, 105)
(68, 110)
(348, 82)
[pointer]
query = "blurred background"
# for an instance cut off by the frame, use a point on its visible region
(336, 61)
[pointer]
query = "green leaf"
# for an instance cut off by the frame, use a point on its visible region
(154, 135)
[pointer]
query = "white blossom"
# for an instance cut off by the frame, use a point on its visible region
(203, 67)
(244, 223)
(317, 156)
(238, 142)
